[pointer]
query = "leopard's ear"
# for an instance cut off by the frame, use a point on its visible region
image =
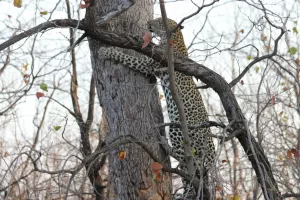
(181, 27)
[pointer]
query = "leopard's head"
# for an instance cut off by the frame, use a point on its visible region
(157, 27)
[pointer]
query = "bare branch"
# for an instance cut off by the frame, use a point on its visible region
(188, 158)
(258, 59)
(193, 14)
(290, 195)
(5, 64)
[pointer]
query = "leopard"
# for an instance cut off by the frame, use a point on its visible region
(202, 145)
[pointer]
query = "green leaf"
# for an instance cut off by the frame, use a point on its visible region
(282, 83)
(44, 87)
(18, 3)
(181, 142)
(56, 128)
(44, 13)
(249, 57)
(293, 50)
(295, 31)
(256, 69)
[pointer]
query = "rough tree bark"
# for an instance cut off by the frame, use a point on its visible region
(131, 106)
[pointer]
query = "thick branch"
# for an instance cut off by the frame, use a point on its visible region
(290, 195)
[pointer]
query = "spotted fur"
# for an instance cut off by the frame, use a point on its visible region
(203, 146)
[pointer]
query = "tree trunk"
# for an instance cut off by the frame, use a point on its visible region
(131, 106)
